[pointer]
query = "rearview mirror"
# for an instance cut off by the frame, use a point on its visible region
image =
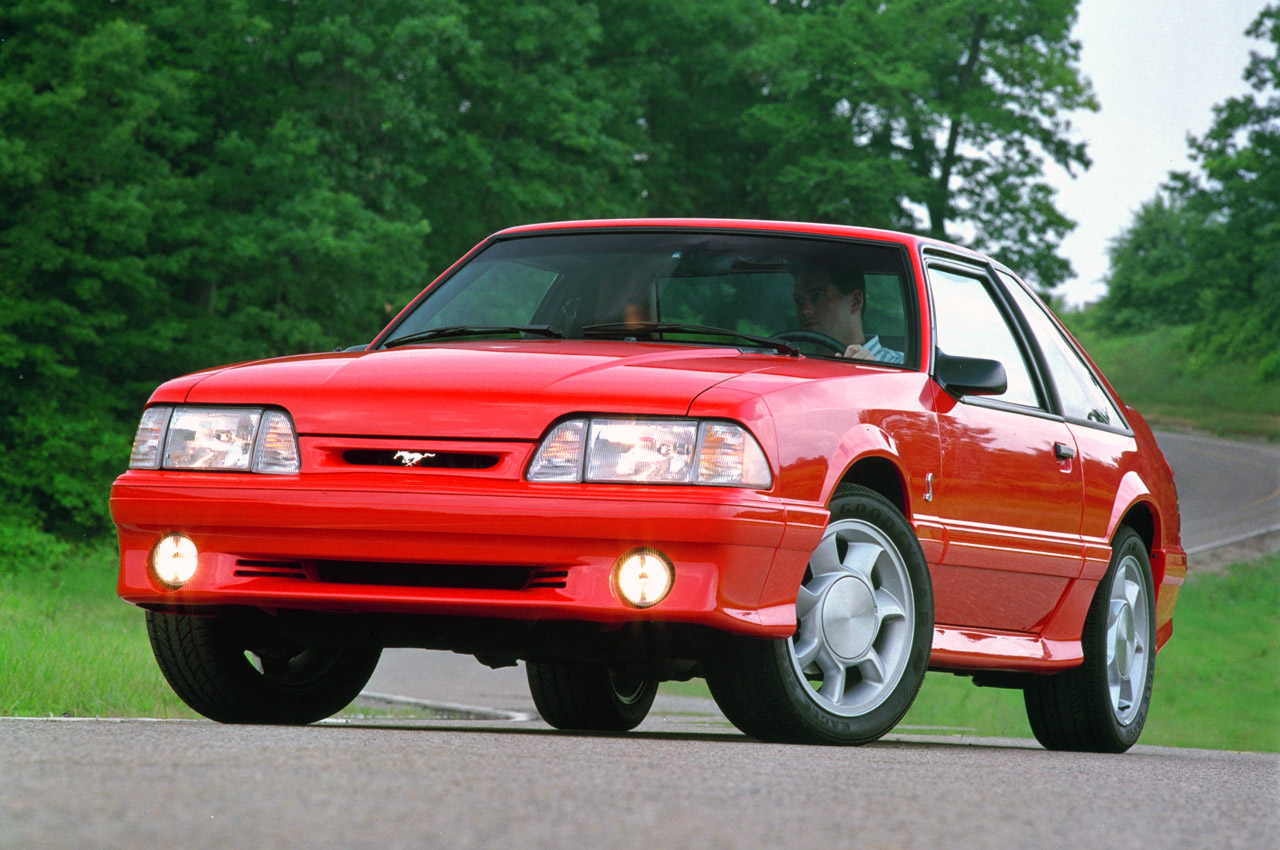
(963, 376)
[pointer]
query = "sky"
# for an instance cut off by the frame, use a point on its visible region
(1158, 67)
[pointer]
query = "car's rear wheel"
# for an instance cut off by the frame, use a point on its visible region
(234, 674)
(861, 648)
(589, 697)
(1102, 705)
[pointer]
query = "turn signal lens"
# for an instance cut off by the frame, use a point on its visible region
(277, 450)
(149, 438)
(729, 455)
(643, 578)
(559, 458)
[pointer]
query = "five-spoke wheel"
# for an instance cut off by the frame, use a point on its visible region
(864, 626)
(856, 618)
(1101, 705)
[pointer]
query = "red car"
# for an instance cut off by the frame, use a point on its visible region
(805, 462)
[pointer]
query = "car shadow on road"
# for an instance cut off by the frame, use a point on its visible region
(727, 736)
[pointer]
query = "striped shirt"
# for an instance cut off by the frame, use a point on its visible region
(881, 354)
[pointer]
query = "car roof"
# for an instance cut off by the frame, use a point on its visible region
(799, 228)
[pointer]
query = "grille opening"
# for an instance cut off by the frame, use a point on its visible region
(465, 576)
(548, 578)
(428, 460)
(253, 568)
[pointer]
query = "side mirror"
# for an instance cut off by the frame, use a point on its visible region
(963, 376)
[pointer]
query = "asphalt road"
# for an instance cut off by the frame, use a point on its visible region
(464, 784)
(684, 779)
(1228, 491)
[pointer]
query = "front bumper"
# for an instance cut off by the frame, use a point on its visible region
(384, 543)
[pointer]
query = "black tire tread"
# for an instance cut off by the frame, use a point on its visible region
(745, 690)
(1071, 711)
(208, 672)
(580, 697)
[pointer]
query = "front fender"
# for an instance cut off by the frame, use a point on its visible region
(861, 442)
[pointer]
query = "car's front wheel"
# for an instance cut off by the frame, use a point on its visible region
(234, 674)
(863, 634)
(589, 697)
(1101, 705)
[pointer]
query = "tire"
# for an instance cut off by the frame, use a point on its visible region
(589, 697)
(216, 669)
(1101, 706)
(863, 635)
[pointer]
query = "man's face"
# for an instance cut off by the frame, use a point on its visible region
(824, 309)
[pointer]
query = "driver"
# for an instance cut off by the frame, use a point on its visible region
(832, 304)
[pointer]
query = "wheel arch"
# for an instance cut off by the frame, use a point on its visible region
(881, 474)
(869, 456)
(1136, 508)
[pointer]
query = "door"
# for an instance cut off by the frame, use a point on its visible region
(1009, 489)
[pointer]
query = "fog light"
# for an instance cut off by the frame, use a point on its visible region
(173, 561)
(642, 577)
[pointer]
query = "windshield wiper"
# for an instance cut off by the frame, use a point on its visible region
(652, 329)
(474, 330)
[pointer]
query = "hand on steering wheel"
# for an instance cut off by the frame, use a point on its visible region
(815, 338)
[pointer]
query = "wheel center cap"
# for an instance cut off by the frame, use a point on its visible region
(1126, 645)
(849, 617)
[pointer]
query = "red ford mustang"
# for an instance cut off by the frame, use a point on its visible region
(805, 462)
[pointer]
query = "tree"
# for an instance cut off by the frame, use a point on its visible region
(88, 126)
(1207, 249)
(1239, 196)
(185, 183)
(1154, 278)
(933, 116)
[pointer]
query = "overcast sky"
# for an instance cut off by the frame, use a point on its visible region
(1158, 67)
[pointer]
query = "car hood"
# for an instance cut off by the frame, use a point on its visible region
(478, 390)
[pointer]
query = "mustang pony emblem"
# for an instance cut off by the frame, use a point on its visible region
(413, 458)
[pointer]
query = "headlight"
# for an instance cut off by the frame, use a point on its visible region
(657, 451)
(230, 439)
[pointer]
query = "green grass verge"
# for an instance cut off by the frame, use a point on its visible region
(70, 647)
(1159, 375)
(1217, 681)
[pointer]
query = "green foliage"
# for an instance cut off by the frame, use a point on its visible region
(871, 112)
(1218, 678)
(70, 647)
(1206, 250)
(1160, 373)
(189, 183)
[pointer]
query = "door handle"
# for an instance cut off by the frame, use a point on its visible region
(1063, 452)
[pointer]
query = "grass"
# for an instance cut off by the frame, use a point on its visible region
(1217, 681)
(1158, 374)
(69, 647)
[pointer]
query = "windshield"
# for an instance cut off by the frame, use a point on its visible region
(616, 284)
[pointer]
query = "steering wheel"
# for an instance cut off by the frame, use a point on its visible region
(815, 338)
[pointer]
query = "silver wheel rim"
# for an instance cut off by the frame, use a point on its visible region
(1127, 640)
(856, 619)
